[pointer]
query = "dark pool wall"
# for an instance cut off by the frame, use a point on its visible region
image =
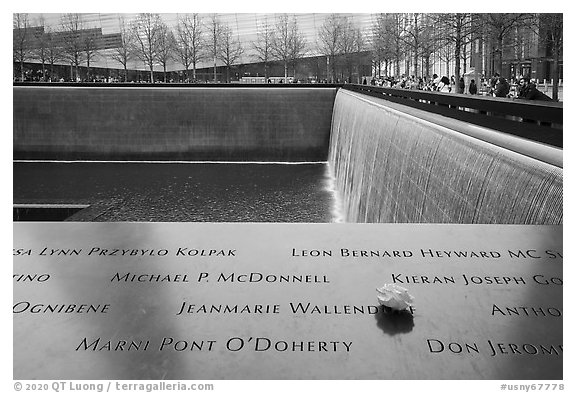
(246, 124)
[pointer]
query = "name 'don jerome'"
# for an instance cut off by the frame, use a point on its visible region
(493, 348)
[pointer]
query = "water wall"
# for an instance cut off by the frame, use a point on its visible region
(393, 166)
(173, 123)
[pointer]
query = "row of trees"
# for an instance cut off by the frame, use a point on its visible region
(71, 42)
(415, 39)
(150, 40)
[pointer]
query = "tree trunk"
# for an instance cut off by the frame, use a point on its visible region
(555, 74)
(334, 71)
(349, 69)
(498, 56)
(457, 67)
(407, 67)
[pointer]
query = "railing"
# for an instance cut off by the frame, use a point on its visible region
(535, 120)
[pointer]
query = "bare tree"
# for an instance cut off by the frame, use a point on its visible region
(41, 44)
(360, 46)
(215, 37)
(263, 46)
(329, 41)
(553, 24)
(387, 42)
(123, 52)
(412, 38)
(298, 45)
(54, 51)
(288, 43)
(351, 44)
(392, 30)
(71, 37)
(377, 46)
(281, 42)
(428, 44)
(21, 41)
(166, 43)
(230, 50)
(446, 53)
(90, 46)
(456, 31)
(147, 31)
(498, 27)
(189, 46)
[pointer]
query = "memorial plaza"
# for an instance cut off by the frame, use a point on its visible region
(288, 197)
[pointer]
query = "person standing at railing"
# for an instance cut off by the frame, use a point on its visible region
(493, 82)
(434, 82)
(473, 88)
(444, 85)
(502, 88)
(529, 91)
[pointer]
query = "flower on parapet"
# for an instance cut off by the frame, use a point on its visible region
(394, 297)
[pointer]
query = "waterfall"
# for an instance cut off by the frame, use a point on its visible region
(391, 166)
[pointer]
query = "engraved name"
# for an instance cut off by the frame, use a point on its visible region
(522, 311)
(256, 277)
(40, 308)
(493, 348)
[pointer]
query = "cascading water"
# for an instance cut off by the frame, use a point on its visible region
(393, 167)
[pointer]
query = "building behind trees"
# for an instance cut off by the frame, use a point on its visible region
(338, 48)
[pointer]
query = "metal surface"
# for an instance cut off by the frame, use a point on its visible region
(461, 327)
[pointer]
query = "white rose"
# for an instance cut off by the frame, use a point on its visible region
(394, 296)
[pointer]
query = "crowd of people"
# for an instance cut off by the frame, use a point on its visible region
(497, 86)
(524, 89)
